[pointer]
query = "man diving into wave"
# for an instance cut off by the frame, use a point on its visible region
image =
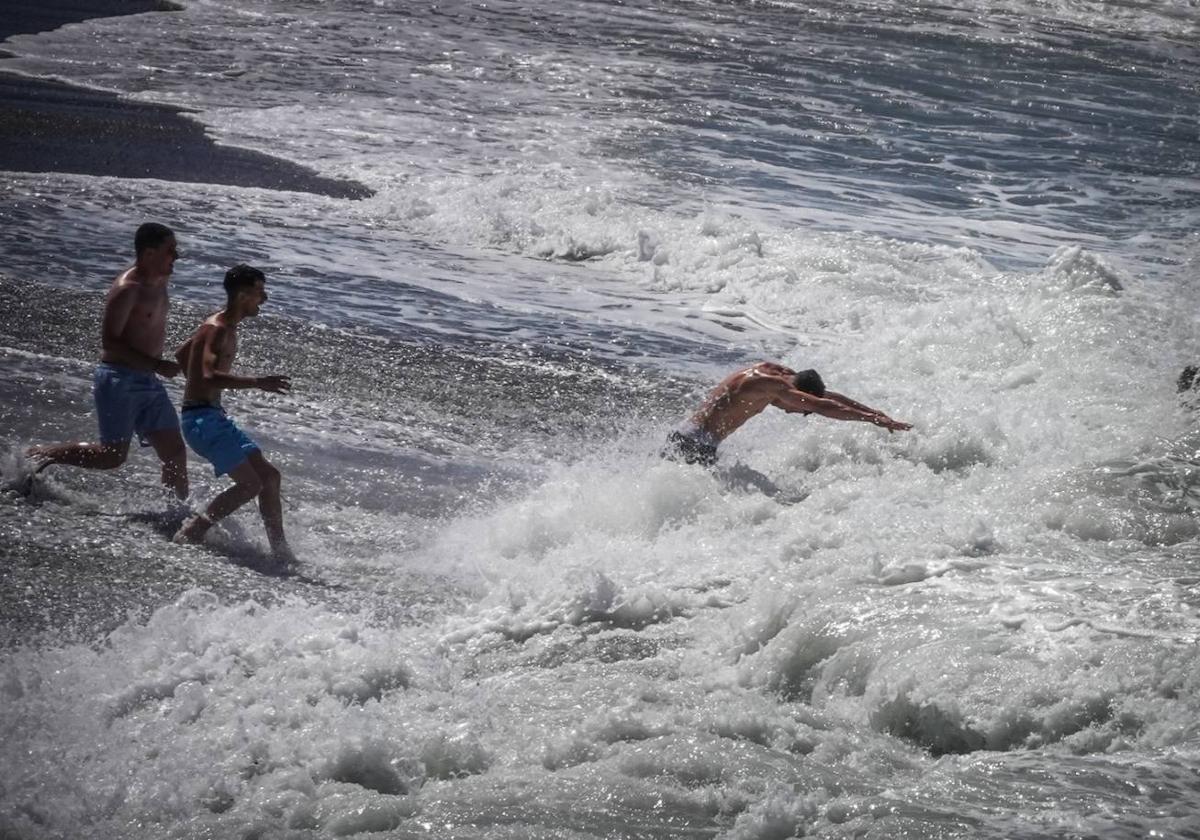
(748, 392)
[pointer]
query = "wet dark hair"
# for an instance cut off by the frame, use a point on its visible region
(241, 276)
(809, 381)
(150, 235)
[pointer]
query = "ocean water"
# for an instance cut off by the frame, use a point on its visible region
(514, 620)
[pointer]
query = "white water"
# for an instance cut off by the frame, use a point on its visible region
(982, 628)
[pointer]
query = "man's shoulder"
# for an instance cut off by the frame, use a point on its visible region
(130, 282)
(754, 388)
(769, 369)
(764, 375)
(127, 279)
(124, 290)
(216, 326)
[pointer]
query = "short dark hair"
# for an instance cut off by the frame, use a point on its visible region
(809, 381)
(150, 235)
(242, 276)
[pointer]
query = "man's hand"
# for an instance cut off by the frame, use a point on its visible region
(274, 384)
(166, 368)
(890, 424)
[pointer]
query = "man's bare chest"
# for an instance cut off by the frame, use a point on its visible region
(149, 309)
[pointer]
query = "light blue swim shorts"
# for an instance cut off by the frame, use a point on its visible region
(129, 400)
(210, 432)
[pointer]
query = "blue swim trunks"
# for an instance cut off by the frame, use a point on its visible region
(209, 431)
(129, 400)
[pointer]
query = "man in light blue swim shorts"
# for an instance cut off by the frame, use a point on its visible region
(207, 358)
(130, 398)
(216, 438)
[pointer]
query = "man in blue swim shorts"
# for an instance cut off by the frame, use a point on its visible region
(129, 396)
(747, 392)
(207, 358)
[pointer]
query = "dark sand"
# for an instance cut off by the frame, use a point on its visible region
(22, 16)
(48, 126)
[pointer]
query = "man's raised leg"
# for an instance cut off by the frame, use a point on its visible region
(91, 456)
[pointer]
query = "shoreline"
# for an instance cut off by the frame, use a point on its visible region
(49, 126)
(23, 17)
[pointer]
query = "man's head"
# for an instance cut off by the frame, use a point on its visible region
(809, 381)
(244, 288)
(154, 245)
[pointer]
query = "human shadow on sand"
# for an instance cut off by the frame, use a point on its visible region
(231, 544)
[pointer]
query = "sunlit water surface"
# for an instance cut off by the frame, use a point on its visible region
(513, 619)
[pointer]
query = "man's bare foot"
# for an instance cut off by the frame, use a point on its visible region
(192, 530)
(40, 457)
(283, 557)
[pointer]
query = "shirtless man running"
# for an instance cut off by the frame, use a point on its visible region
(207, 358)
(747, 392)
(129, 396)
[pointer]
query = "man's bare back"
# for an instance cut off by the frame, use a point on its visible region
(740, 396)
(748, 392)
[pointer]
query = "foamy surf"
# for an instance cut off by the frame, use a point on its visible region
(513, 617)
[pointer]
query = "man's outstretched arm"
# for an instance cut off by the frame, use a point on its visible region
(892, 425)
(842, 398)
(830, 406)
(211, 375)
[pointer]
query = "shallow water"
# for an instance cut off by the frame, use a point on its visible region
(513, 618)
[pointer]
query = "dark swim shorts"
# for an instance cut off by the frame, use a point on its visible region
(692, 445)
